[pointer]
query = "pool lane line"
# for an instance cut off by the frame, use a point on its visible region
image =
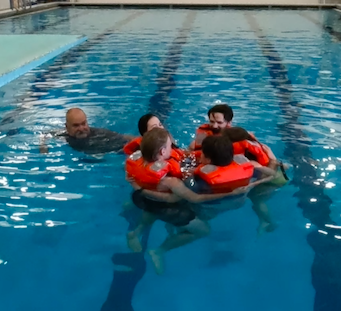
(69, 57)
(315, 204)
(329, 29)
(119, 299)
(159, 103)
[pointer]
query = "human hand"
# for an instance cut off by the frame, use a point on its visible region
(241, 190)
(132, 182)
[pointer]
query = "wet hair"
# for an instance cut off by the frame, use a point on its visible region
(224, 109)
(143, 122)
(236, 134)
(152, 142)
(218, 149)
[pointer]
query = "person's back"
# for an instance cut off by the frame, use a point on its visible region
(220, 172)
(246, 144)
(98, 141)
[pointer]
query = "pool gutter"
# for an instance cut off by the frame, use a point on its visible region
(193, 4)
(168, 4)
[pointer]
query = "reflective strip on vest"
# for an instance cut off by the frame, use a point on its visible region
(136, 155)
(208, 168)
(158, 166)
(240, 159)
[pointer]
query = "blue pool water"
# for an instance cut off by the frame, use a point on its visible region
(60, 216)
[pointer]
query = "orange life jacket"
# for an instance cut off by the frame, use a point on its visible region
(148, 176)
(238, 147)
(134, 145)
(177, 154)
(224, 179)
(254, 148)
(201, 133)
(196, 154)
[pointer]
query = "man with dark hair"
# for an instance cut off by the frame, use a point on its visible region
(220, 117)
(87, 139)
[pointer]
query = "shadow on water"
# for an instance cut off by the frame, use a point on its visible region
(159, 103)
(125, 280)
(326, 275)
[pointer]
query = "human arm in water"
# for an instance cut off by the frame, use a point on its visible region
(191, 146)
(43, 148)
(181, 192)
(128, 137)
(42, 144)
(267, 173)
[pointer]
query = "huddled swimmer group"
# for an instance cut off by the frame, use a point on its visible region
(185, 188)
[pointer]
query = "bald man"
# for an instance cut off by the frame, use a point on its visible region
(87, 139)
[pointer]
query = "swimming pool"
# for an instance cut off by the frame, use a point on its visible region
(60, 215)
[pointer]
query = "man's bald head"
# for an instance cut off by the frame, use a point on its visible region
(76, 123)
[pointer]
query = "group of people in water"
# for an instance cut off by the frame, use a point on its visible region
(220, 169)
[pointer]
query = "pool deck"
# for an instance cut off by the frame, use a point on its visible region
(35, 8)
(205, 3)
(16, 60)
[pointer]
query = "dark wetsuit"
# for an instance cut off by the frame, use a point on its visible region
(178, 214)
(99, 141)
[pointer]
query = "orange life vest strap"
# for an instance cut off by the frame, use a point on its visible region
(254, 148)
(132, 146)
(201, 133)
